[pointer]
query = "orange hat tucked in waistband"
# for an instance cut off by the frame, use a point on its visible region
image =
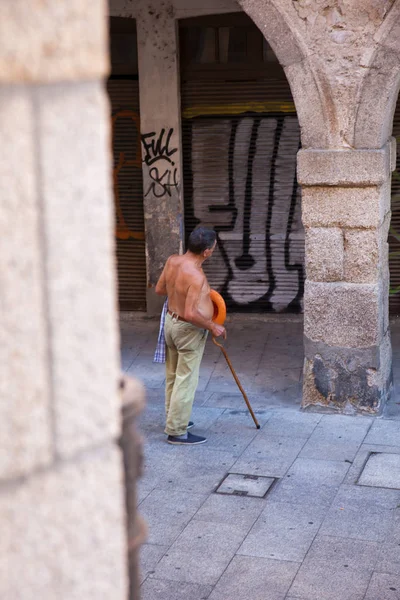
(219, 315)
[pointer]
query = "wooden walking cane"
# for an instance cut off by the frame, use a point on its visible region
(219, 317)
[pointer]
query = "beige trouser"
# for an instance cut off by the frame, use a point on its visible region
(185, 348)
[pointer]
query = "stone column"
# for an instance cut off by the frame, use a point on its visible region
(346, 214)
(62, 516)
(160, 125)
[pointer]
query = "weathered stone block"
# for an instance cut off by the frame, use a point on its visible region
(79, 237)
(348, 380)
(49, 41)
(343, 167)
(361, 258)
(25, 428)
(63, 533)
(324, 254)
(345, 206)
(313, 121)
(377, 101)
(342, 314)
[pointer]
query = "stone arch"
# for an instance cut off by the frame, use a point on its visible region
(379, 90)
(311, 93)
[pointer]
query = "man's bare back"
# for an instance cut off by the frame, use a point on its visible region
(188, 291)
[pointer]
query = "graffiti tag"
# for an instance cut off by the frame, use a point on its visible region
(162, 182)
(157, 149)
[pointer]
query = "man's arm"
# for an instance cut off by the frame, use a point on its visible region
(192, 312)
(161, 287)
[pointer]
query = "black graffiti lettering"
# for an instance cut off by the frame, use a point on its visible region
(246, 261)
(263, 250)
(155, 148)
(162, 182)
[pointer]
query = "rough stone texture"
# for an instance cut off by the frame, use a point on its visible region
(161, 140)
(308, 106)
(251, 577)
(356, 207)
(48, 41)
(393, 153)
(78, 218)
(25, 425)
(382, 470)
(324, 254)
(377, 102)
(346, 379)
(383, 586)
(361, 259)
(341, 42)
(343, 167)
(63, 533)
(342, 314)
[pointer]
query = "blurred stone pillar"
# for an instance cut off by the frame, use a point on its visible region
(62, 513)
(131, 443)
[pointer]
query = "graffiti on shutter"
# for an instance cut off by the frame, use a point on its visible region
(243, 183)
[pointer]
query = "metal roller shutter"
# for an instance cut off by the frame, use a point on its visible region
(240, 140)
(128, 193)
(394, 235)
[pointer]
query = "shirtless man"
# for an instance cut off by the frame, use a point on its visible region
(187, 323)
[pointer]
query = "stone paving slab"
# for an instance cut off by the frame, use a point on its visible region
(283, 532)
(324, 582)
(268, 456)
(337, 450)
(201, 553)
(383, 587)
(268, 400)
(242, 512)
(388, 560)
(290, 424)
(382, 470)
(361, 513)
(150, 556)
(384, 433)
(168, 515)
(361, 458)
(155, 589)
(250, 578)
(199, 472)
(357, 555)
(329, 537)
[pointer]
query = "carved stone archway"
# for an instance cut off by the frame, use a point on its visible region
(342, 62)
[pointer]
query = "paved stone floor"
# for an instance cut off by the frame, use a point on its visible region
(318, 534)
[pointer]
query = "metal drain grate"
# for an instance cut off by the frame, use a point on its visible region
(253, 486)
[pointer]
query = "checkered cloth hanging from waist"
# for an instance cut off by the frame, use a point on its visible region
(161, 351)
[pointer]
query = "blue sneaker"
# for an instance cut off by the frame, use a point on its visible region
(190, 440)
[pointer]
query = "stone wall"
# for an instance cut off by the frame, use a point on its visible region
(61, 477)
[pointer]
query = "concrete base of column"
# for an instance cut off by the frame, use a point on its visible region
(347, 380)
